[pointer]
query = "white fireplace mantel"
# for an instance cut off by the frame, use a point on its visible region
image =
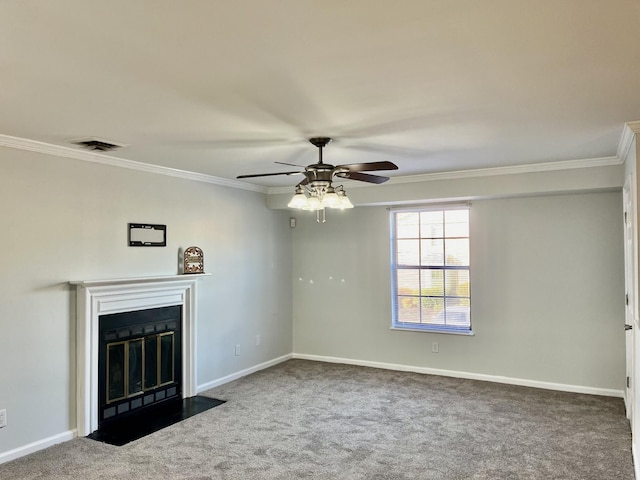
(101, 297)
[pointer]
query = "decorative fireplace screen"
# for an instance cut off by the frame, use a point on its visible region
(139, 361)
(139, 365)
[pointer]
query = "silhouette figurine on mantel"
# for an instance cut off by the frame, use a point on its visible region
(193, 260)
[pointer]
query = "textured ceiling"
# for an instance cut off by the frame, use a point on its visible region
(228, 87)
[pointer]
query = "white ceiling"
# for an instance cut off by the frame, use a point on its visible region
(227, 87)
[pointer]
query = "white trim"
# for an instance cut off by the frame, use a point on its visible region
(71, 434)
(155, 278)
(636, 460)
(99, 297)
(484, 172)
(242, 373)
(630, 130)
(511, 170)
(433, 329)
(67, 152)
(468, 375)
(36, 446)
(630, 271)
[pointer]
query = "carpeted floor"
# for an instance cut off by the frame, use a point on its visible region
(303, 419)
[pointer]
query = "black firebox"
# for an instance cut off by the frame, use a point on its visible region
(139, 362)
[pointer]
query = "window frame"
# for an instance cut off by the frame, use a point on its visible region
(393, 241)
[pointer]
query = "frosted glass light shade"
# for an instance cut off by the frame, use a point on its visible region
(299, 200)
(344, 201)
(313, 204)
(331, 200)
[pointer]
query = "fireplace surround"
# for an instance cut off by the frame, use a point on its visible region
(96, 298)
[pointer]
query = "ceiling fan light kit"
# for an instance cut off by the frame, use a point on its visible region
(316, 192)
(319, 199)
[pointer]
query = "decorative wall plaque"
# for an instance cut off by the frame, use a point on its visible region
(193, 260)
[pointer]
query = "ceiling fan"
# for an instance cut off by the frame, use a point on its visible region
(316, 192)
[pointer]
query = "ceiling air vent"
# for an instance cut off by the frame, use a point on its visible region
(97, 144)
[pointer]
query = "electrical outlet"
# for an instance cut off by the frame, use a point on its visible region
(258, 340)
(237, 350)
(3, 418)
(435, 348)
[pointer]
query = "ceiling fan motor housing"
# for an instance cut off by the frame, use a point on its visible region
(320, 142)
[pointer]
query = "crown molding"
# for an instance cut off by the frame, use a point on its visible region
(512, 170)
(487, 172)
(631, 129)
(67, 152)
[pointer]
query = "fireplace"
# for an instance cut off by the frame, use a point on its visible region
(139, 362)
(103, 307)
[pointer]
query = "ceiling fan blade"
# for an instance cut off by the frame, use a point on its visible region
(290, 164)
(370, 167)
(269, 174)
(363, 177)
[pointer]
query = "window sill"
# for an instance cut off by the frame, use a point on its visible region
(468, 333)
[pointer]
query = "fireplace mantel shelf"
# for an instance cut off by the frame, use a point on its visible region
(133, 280)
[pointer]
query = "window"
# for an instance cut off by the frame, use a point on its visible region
(430, 269)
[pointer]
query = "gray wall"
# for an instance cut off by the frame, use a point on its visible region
(546, 284)
(547, 279)
(67, 220)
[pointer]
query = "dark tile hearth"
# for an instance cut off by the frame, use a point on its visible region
(125, 431)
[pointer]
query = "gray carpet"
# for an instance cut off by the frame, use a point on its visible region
(303, 419)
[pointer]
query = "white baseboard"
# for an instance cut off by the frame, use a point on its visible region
(472, 376)
(242, 373)
(636, 460)
(69, 435)
(35, 446)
